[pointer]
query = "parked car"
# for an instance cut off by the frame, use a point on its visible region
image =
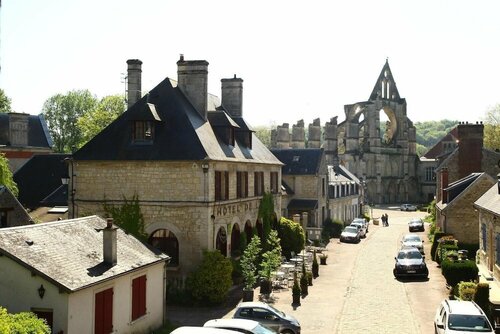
(409, 262)
(361, 220)
(460, 316)
(413, 240)
(201, 330)
(267, 316)
(240, 325)
(350, 234)
(361, 227)
(416, 224)
(408, 207)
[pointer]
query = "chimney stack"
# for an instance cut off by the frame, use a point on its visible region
(109, 243)
(470, 148)
(232, 96)
(133, 81)
(444, 184)
(192, 79)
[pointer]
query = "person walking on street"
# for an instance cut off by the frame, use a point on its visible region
(386, 220)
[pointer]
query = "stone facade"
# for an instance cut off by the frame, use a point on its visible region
(383, 157)
(12, 213)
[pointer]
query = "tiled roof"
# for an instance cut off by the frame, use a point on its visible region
(69, 253)
(490, 201)
(304, 161)
(39, 177)
(181, 133)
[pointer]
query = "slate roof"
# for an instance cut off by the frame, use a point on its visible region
(305, 161)
(303, 204)
(490, 201)
(181, 133)
(437, 150)
(68, 253)
(456, 188)
(340, 173)
(39, 177)
(38, 133)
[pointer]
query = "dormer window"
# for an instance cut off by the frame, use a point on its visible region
(142, 131)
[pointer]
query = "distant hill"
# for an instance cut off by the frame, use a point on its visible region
(429, 133)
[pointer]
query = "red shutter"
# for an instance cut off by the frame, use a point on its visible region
(138, 297)
(103, 320)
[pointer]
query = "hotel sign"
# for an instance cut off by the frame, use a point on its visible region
(235, 208)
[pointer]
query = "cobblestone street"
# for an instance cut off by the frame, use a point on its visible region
(356, 291)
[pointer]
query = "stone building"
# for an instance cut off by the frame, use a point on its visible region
(12, 213)
(455, 212)
(345, 194)
(194, 164)
(383, 157)
(305, 180)
(22, 136)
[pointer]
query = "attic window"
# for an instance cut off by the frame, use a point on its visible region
(142, 131)
(296, 158)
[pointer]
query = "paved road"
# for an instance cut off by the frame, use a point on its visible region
(356, 291)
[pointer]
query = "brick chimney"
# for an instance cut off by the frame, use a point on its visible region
(109, 243)
(232, 96)
(134, 72)
(18, 129)
(444, 185)
(470, 148)
(192, 77)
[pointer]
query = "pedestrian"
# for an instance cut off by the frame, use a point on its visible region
(386, 220)
(383, 219)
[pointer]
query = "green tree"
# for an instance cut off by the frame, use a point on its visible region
(6, 175)
(492, 128)
(211, 282)
(292, 237)
(266, 214)
(4, 102)
(94, 121)
(271, 259)
(23, 323)
(62, 113)
(248, 262)
(128, 216)
(264, 134)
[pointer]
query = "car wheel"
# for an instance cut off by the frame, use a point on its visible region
(287, 331)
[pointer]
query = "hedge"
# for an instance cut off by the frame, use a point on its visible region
(443, 250)
(435, 243)
(459, 271)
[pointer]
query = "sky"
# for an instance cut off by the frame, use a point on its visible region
(298, 59)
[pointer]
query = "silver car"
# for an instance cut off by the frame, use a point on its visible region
(413, 240)
(267, 316)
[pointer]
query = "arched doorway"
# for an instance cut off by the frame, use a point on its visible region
(221, 241)
(166, 241)
(235, 240)
(260, 229)
(248, 231)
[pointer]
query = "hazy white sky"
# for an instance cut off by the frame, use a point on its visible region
(298, 59)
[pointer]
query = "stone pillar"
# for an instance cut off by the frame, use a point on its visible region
(283, 136)
(330, 144)
(134, 73)
(298, 135)
(314, 140)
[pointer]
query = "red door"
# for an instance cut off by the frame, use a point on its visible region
(104, 312)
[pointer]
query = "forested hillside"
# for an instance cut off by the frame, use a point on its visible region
(429, 133)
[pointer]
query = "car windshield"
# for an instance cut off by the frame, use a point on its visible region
(260, 329)
(470, 323)
(409, 255)
(417, 221)
(276, 311)
(412, 238)
(351, 229)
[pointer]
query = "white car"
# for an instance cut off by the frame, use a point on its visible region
(413, 240)
(201, 330)
(361, 227)
(408, 207)
(361, 220)
(460, 316)
(240, 325)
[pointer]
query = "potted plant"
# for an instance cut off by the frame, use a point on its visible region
(296, 292)
(249, 267)
(322, 258)
(309, 276)
(315, 266)
(303, 280)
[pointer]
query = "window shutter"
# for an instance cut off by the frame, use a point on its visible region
(217, 186)
(246, 184)
(226, 185)
(103, 316)
(138, 297)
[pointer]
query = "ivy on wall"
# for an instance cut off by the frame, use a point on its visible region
(128, 216)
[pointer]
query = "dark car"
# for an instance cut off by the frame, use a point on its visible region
(409, 262)
(350, 234)
(416, 224)
(267, 316)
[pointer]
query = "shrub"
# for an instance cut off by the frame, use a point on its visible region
(315, 266)
(243, 242)
(331, 229)
(292, 237)
(236, 274)
(435, 244)
(466, 290)
(482, 297)
(211, 282)
(248, 262)
(24, 322)
(470, 248)
(455, 272)
(444, 250)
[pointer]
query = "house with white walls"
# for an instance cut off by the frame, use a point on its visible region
(83, 275)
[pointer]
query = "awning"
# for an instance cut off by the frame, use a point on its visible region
(302, 204)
